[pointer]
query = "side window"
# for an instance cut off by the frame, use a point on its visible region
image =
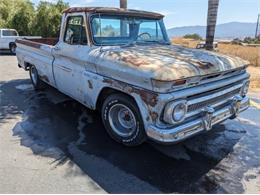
(9, 33)
(151, 29)
(75, 33)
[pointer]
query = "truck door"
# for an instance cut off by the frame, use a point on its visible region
(71, 56)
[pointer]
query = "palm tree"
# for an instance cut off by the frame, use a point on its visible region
(123, 28)
(211, 23)
(123, 4)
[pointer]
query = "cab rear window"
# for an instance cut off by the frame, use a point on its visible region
(9, 33)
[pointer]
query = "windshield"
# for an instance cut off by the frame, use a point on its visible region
(120, 30)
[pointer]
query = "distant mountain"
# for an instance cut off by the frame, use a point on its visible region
(224, 31)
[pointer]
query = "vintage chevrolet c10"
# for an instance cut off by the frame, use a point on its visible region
(121, 63)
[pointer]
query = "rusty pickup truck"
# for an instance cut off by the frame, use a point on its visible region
(121, 63)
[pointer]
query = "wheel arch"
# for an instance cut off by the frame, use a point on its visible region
(11, 43)
(142, 107)
(105, 92)
(27, 65)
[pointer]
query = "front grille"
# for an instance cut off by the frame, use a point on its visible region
(213, 101)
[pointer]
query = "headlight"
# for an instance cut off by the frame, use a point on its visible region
(244, 89)
(175, 112)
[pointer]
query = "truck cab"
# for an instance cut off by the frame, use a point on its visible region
(121, 63)
(7, 39)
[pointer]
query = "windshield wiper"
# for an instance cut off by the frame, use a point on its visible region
(131, 43)
(153, 41)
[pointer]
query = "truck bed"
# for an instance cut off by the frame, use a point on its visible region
(37, 52)
(37, 43)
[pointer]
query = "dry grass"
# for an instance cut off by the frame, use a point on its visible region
(255, 78)
(185, 42)
(252, 54)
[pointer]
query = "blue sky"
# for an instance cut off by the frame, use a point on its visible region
(184, 12)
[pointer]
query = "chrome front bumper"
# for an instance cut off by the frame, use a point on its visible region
(211, 117)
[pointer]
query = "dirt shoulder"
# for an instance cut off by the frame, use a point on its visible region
(255, 78)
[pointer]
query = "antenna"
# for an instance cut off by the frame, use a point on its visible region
(257, 26)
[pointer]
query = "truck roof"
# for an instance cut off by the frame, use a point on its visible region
(111, 10)
(7, 29)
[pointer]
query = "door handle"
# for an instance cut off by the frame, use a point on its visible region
(56, 48)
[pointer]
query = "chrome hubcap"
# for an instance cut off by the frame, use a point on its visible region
(34, 75)
(122, 120)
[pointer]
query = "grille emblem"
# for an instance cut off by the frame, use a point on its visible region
(207, 120)
(236, 104)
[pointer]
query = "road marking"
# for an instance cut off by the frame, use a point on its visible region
(254, 104)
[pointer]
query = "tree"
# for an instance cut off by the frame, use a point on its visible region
(21, 15)
(192, 36)
(6, 11)
(22, 20)
(48, 18)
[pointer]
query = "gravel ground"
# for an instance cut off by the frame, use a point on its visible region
(52, 144)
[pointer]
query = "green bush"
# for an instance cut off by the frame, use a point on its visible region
(193, 36)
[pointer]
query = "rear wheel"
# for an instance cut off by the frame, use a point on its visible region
(122, 120)
(35, 79)
(12, 48)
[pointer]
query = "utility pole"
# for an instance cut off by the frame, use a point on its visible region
(257, 26)
(123, 25)
(211, 23)
(123, 4)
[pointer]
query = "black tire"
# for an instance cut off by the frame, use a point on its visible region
(37, 83)
(138, 135)
(12, 48)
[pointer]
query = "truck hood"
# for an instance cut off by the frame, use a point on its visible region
(169, 62)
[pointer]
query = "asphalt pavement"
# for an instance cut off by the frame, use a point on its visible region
(49, 143)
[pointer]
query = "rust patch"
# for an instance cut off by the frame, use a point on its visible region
(148, 97)
(154, 116)
(28, 43)
(44, 78)
(117, 84)
(131, 59)
(205, 65)
(90, 85)
(109, 81)
(106, 10)
(46, 41)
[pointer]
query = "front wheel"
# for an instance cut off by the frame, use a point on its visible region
(35, 79)
(122, 120)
